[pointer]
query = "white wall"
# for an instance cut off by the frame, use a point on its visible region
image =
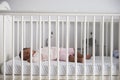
(66, 5)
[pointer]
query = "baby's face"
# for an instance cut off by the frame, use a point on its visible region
(26, 54)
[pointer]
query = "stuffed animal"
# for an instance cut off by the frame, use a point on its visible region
(116, 53)
(4, 6)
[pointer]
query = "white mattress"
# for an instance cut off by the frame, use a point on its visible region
(62, 67)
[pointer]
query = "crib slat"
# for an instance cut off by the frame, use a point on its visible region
(76, 47)
(13, 40)
(58, 33)
(102, 47)
(49, 44)
(40, 36)
(24, 26)
(81, 36)
(22, 43)
(43, 34)
(85, 47)
(119, 47)
(93, 50)
(36, 34)
(87, 37)
(111, 47)
(67, 45)
(18, 36)
(4, 47)
(106, 39)
(31, 50)
(63, 33)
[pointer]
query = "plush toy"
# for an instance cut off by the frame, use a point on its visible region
(4, 6)
(116, 53)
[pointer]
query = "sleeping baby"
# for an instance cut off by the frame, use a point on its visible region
(44, 55)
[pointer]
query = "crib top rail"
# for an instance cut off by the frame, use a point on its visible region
(37, 13)
(62, 16)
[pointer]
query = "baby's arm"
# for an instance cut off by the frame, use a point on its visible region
(79, 55)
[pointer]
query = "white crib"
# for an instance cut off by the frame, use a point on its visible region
(95, 33)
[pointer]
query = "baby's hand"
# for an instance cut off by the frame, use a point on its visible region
(28, 60)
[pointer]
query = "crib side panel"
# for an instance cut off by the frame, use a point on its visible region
(6, 31)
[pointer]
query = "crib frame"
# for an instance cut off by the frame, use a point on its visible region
(9, 77)
(115, 17)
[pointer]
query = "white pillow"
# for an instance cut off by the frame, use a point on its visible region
(4, 6)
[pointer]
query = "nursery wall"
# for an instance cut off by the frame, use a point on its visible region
(66, 5)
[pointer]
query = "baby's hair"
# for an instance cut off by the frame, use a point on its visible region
(20, 52)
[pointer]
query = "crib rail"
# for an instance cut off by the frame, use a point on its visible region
(85, 32)
(8, 77)
(24, 13)
(57, 13)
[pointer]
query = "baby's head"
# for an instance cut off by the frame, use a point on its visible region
(26, 53)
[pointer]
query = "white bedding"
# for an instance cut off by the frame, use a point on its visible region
(62, 68)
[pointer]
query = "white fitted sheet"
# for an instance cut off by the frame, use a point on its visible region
(62, 67)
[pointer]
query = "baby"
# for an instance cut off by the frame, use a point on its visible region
(53, 55)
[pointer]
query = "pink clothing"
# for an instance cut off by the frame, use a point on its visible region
(53, 54)
(63, 53)
(45, 54)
